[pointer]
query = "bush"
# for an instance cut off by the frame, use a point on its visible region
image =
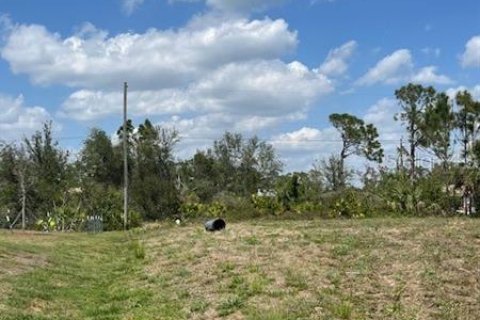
(236, 207)
(349, 206)
(266, 204)
(352, 203)
(308, 207)
(192, 210)
(108, 203)
(216, 209)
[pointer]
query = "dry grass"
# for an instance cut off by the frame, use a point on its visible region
(396, 269)
(337, 269)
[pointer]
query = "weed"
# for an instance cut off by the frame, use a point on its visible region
(343, 310)
(253, 241)
(230, 305)
(296, 279)
(226, 267)
(138, 249)
(198, 306)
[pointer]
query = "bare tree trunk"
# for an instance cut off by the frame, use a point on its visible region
(23, 196)
(341, 174)
(412, 157)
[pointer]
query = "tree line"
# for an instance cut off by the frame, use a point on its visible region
(240, 177)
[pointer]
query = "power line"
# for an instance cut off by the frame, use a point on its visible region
(184, 138)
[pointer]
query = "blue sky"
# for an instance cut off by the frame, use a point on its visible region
(275, 68)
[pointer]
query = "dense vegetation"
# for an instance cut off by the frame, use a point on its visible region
(242, 177)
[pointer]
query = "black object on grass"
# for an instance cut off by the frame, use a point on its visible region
(215, 225)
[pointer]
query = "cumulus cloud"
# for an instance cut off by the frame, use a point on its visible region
(156, 59)
(474, 91)
(391, 69)
(298, 149)
(399, 67)
(471, 55)
(17, 119)
(301, 148)
(264, 91)
(429, 75)
(381, 115)
(336, 62)
(199, 132)
(308, 139)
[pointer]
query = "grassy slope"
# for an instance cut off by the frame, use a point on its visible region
(367, 269)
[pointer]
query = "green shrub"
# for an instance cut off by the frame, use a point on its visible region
(236, 207)
(266, 205)
(192, 210)
(349, 206)
(216, 209)
(308, 207)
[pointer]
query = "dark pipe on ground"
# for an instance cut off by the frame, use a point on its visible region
(215, 225)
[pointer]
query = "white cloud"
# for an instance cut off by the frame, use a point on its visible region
(264, 92)
(391, 69)
(199, 133)
(381, 115)
(428, 75)
(471, 56)
(398, 67)
(89, 105)
(336, 62)
(300, 148)
(129, 6)
(474, 91)
(307, 139)
(16, 119)
(155, 59)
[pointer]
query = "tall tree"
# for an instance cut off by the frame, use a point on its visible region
(228, 156)
(440, 123)
(334, 173)
(467, 119)
(98, 160)
(154, 177)
(243, 166)
(198, 176)
(357, 138)
(269, 166)
(9, 182)
(49, 164)
(414, 99)
(16, 179)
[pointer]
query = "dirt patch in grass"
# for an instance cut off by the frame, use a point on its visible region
(22, 251)
(15, 264)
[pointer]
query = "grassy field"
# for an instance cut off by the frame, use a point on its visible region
(337, 269)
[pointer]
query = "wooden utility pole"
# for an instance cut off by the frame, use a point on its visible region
(125, 158)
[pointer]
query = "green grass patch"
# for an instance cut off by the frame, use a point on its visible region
(316, 269)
